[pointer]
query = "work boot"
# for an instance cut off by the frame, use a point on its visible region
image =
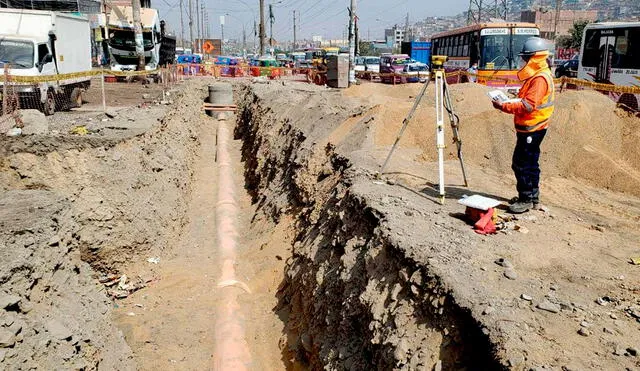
(520, 207)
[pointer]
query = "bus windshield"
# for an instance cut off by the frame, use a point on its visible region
(496, 52)
(500, 52)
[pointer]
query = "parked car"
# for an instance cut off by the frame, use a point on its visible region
(568, 68)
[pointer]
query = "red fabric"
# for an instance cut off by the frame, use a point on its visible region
(483, 220)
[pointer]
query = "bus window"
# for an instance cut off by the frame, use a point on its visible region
(624, 48)
(465, 46)
(496, 53)
(591, 54)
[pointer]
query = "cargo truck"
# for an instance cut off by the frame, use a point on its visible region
(40, 44)
(159, 48)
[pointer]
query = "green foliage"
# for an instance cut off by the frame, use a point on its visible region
(365, 48)
(574, 39)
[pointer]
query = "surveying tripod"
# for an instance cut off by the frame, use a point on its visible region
(443, 102)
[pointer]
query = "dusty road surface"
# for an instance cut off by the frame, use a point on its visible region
(114, 240)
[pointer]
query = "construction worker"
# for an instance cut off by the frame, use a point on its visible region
(532, 112)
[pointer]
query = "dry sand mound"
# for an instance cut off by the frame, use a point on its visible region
(589, 138)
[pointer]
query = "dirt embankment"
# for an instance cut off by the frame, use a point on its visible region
(353, 299)
(383, 277)
(68, 201)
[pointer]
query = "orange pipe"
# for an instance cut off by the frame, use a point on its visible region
(231, 351)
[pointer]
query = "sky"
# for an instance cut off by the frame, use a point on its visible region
(327, 18)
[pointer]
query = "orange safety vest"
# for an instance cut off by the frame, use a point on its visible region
(537, 119)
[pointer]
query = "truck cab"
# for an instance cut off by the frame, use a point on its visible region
(122, 44)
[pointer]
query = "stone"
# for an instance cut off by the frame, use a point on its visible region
(14, 132)
(585, 324)
(488, 310)
(305, 339)
(58, 330)
(7, 338)
(618, 351)
(548, 306)
(34, 121)
(7, 300)
(607, 331)
(584, 332)
(111, 113)
(438, 366)
(613, 316)
(29, 241)
(504, 263)
(632, 351)
(146, 96)
(391, 181)
(510, 273)
(526, 297)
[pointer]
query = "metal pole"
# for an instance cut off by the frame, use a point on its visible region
(294, 31)
(181, 26)
(557, 20)
(271, 25)
(104, 99)
(193, 47)
(137, 29)
(352, 43)
(198, 50)
(261, 27)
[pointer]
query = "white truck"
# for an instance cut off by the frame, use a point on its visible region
(159, 48)
(43, 44)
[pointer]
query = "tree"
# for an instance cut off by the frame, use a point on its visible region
(574, 39)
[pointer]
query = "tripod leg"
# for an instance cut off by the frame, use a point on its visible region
(406, 121)
(440, 131)
(453, 118)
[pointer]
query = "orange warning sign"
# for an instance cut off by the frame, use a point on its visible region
(208, 47)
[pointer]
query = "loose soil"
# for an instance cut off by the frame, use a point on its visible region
(382, 276)
(343, 271)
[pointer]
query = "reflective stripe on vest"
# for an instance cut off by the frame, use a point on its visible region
(537, 119)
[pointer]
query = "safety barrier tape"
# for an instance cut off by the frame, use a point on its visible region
(222, 70)
(74, 75)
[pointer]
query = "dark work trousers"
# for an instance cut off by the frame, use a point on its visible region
(525, 165)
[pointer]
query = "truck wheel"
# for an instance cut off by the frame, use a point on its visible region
(49, 105)
(75, 98)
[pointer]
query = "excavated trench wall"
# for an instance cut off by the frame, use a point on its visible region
(354, 297)
(71, 206)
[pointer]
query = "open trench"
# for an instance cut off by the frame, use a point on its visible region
(330, 286)
(352, 297)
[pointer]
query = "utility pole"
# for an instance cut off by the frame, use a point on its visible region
(294, 31)
(352, 42)
(406, 29)
(222, 34)
(181, 26)
(193, 45)
(557, 20)
(137, 29)
(202, 25)
(261, 27)
(271, 19)
(244, 41)
(199, 37)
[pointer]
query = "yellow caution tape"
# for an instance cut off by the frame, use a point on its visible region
(74, 75)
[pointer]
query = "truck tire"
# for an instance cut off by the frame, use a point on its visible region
(49, 105)
(75, 98)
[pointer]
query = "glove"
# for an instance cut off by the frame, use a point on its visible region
(497, 104)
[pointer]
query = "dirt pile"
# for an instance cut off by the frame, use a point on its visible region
(585, 140)
(382, 276)
(101, 199)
